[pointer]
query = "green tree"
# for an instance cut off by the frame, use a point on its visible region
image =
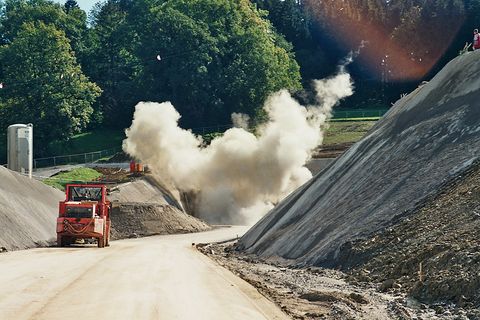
(290, 18)
(70, 19)
(217, 57)
(111, 61)
(44, 85)
(70, 5)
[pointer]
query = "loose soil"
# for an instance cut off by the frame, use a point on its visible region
(432, 255)
(132, 220)
(317, 293)
(114, 175)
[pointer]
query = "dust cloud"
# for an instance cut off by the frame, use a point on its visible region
(239, 176)
(240, 120)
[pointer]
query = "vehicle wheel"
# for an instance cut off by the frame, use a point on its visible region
(101, 242)
(59, 241)
(67, 241)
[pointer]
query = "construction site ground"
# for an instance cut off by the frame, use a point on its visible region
(318, 293)
(160, 277)
(432, 255)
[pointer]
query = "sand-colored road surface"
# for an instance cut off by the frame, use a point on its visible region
(161, 277)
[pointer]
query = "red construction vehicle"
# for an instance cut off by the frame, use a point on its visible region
(85, 214)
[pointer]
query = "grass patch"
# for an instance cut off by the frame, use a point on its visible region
(96, 140)
(78, 175)
(346, 131)
(357, 119)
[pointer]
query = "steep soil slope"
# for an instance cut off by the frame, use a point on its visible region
(433, 254)
(425, 140)
(28, 211)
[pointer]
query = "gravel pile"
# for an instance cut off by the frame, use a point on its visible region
(28, 212)
(147, 206)
(131, 220)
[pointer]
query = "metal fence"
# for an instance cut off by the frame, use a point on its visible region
(352, 114)
(88, 157)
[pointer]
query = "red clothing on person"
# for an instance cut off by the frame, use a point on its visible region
(476, 41)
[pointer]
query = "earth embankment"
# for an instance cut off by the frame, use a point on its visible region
(428, 138)
(147, 206)
(434, 254)
(28, 211)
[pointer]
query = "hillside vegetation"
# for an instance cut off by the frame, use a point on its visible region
(69, 73)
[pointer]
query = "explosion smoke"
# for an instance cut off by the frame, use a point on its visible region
(239, 176)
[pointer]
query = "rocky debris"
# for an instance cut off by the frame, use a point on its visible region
(433, 254)
(315, 293)
(139, 220)
(28, 211)
(424, 141)
(318, 165)
(145, 206)
(113, 175)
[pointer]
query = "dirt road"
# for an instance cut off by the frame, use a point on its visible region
(161, 277)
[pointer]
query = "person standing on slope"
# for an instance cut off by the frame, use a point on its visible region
(476, 40)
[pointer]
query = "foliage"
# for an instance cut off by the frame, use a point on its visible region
(111, 63)
(91, 141)
(70, 19)
(293, 20)
(208, 137)
(78, 175)
(210, 58)
(405, 41)
(44, 85)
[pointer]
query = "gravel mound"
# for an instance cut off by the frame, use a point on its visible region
(424, 141)
(28, 212)
(138, 220)
(434, 254)
(147, 189)
(148, 206)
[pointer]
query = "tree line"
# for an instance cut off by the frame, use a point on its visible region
(67, 71)
(403, 41)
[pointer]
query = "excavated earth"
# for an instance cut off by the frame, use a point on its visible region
(401, 208)
(427, 139)
(147, 206)
(433, 255)
(143, 219)
(28, 212)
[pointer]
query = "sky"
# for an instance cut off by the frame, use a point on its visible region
(84, 4)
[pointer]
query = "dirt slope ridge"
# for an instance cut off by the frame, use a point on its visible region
(425, 140)
(28, 211)
(147, 206)
(140, 219)
(434, 254)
